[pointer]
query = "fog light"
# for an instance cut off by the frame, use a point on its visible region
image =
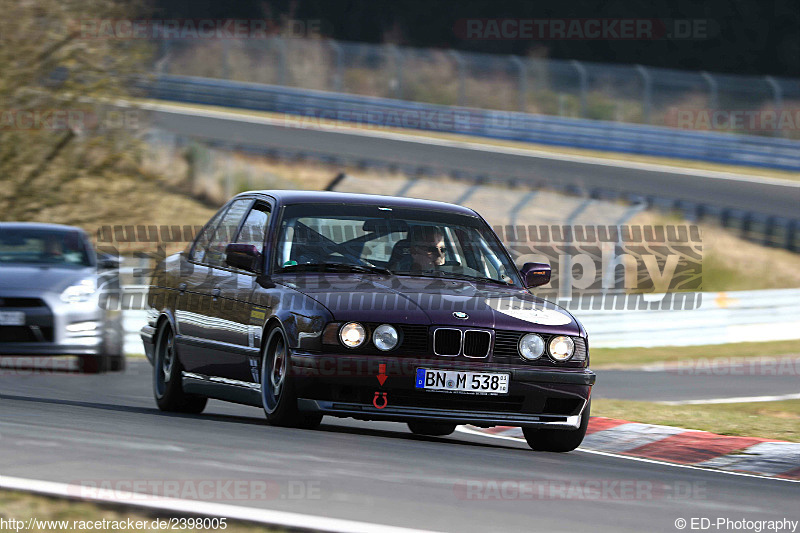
(531, 346)
(385, 337)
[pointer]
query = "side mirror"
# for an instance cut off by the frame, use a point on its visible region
(108, 262)
(535, 274)
(243, 256)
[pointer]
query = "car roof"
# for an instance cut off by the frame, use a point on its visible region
(286, 197)
(39, 226)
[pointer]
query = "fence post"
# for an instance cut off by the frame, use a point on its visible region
(461, 76)
(164, 45)
(647, 96)
(790, 237)
(777, 94)
(337, 73)
(397, 82)
(523, 79)
(713, 90)
(226, 66)
(583, 83)
(279, 42)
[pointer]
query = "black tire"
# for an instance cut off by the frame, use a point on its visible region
(277, 386)
(116, 363)
(167, 381)
(431, 429)
(92, 364)
(558, 440)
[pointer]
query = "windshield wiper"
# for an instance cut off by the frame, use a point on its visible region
(466, 277)
(335, 267)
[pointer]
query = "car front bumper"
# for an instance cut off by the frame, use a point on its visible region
(348, 386)
(46, 328)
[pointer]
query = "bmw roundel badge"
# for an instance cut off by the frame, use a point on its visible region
(460, 315)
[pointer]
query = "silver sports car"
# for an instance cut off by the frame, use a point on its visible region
(52, 289)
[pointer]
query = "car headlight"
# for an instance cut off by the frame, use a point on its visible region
(385, 337)
(531, 347)
(561, 348)
(352, 334)
(79, 292)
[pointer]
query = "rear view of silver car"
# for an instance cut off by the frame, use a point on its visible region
(53, 297)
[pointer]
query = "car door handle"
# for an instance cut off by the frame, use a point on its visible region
(215, 293)
(182, 288)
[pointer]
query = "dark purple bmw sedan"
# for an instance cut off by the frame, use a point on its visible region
(377, 308)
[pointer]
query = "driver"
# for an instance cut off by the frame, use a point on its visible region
(53, 248)
(426, 247)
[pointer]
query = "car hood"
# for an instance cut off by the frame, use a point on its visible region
(41, 278)
(412, 300)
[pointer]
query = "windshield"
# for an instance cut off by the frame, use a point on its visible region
(43, 247)
(402, 242)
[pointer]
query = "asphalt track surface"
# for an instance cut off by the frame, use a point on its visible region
(705, 380)
(76, 429)
(766, 198)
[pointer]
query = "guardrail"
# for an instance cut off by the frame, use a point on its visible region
(764, 228)
(638, 139)
(722, 317)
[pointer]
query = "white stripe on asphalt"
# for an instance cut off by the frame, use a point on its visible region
(296, 123)
(204, 508)
(740, 399)
(468, 431)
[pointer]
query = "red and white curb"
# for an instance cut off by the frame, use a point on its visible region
(683, 446)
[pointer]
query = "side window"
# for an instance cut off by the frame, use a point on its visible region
(254, 229)
(225, 233)
(198, 251)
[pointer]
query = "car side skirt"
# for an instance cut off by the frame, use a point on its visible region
(229, 390)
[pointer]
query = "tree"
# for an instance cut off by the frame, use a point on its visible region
(57, 125)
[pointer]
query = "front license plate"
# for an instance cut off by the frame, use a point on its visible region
(466, 382)
(12, 318)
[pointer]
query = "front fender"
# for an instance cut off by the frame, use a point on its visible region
(303, 319)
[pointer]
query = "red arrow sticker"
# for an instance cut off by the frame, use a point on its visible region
(382, 374)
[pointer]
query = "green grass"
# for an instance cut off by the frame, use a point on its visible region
(718, 275)
(23, 506)
(610, 357)
(769, 420)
